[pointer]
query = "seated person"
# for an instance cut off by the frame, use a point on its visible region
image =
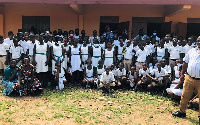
(121, 75)
(176, 89)
(107, 80)
(88, 80)
(132, 77)
(98, 72)
(143, 79)
(160, 78)
(59, 77)
(10, 78)
(28, 84)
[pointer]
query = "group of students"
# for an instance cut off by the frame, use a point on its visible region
(108, 62)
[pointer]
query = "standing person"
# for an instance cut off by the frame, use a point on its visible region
(66, 49)
(128, 53)
(119, 51)
(16, 51)
(96, 53)
(10, 78)
(41, 59)
(9, 40)
(31, 44)
(191, 81)
(85, 53)
(75, 61)
(141, 57)
(109, 54)
(174, 51)
(94, 36)
(98, 72)
(57, 54)
(161, 52)
(3, 55)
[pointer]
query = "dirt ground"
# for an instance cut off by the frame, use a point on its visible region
(38, 110)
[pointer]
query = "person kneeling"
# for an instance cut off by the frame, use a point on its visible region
(160, 79)
(107, 80)
(88, 80)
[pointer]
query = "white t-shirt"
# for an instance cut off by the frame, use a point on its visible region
(141, 55)
(9, 42)
(30, 47)
(16, 51)
(129, 54)
(3, 48)
(107, 78)
(174, 52)
(120, 73)
(142, 72)
(157, 73)
(24, 45)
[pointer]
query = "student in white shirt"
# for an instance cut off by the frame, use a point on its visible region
(121, 75)
(3, 55)
(141, 55)
(23, 42)
(107, 80)
(109, 54)
(143, 80)
(161, 52)
(96, 53)
(9, 40)
(91, 39)
(119, 51)
(174, 51)
(128, 53)
(31, 44)
(159, 79)
(16, 51)
(132, 77)
(89, 75)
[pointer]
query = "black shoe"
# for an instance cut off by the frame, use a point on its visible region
(179, 114)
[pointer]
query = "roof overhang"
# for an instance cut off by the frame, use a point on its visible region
(147, 2)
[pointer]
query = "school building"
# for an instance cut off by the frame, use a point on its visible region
(164, 16)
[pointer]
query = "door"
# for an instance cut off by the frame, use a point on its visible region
(35, 23)
(123, 29)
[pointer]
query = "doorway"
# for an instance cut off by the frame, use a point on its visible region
(36, 24)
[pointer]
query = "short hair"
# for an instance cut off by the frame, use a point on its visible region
(10, 33)
(1, 37)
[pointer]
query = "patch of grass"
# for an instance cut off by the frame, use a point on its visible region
(78, 119)
(58, 115)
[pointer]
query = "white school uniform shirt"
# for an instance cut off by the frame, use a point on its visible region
(8, 42)
(157, 73)
(107, 78)
(89, 72)
(167, 69)
(187, 48)
(30, 47)
(3, 48)
(182, 49)
(119, 52)
(152, 47)
(24, 45)
(174, 52)
(129, 54)
(120, 73)
(116, 42)
(142, 72)
(141, 55)
(136, 48)
(16, 51)
(77, 37)
(148, 49)
(193, 60)
(92, 38)
(151, 67)
(160, 53)
(167, 45)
